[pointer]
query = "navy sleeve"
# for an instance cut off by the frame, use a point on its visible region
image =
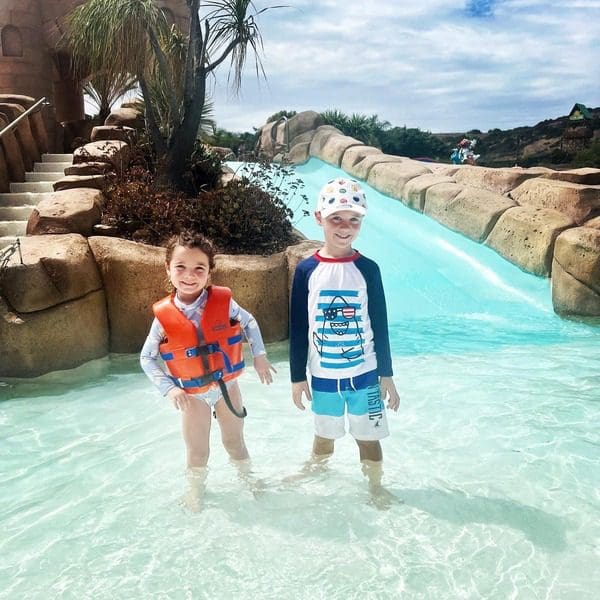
(299, 320)
(377, 314)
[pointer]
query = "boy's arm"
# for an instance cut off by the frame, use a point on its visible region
(378, 317)
(299, 326)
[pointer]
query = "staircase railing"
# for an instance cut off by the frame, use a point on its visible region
(37, 106)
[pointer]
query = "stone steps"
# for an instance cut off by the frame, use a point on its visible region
(16, 206)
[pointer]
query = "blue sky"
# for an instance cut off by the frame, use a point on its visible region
(438, 65)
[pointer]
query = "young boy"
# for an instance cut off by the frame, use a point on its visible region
(338, 327)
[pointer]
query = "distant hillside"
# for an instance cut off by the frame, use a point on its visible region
(525, 146)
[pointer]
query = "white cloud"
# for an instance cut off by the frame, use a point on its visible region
(427, 64)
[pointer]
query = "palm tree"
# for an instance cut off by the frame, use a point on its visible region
(133, 36)
(104, 89)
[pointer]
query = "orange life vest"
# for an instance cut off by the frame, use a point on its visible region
(198, 358)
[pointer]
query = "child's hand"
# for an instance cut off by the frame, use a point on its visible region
(180, 400)
(299, 388)
(263, 367)
(388, 390)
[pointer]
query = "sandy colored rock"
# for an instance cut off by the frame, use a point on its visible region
(353, 155)
(299, 153)
(415, 189)
(499, 181)
(125, 117)
(362, 168)
(60, 337)
(23, 133)
(55, 269)
(70, 182)
(259, 284)
(266, 139)
(322, 134)
(473, 212)
(12, 152)
(334, 148)
(90, 168)
(134, 278)
(572, 297)
(294, 254)
(525, 236)
(594, 223)
(114, 152)
(439, 196)
(585, 176)
(573, 199)
(390, 178)
(36, 119)
(302, 138)
(68, 211)
(577, 251)
(303, 123)
(113, 132)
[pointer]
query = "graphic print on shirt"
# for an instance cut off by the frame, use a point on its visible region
(338, 333)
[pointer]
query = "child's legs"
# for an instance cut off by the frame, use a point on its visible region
(232, 427)
(195, 426)
(370, 450)
(322, 447)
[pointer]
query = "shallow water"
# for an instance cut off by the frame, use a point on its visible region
(494, 457)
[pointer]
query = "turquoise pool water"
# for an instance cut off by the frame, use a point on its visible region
(494, 454)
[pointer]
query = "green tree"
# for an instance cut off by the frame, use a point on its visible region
(367, 129)
(172, 69)
(104, 89)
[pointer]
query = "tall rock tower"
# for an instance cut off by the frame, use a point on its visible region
(30, 62)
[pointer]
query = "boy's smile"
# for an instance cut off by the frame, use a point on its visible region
(340, 229)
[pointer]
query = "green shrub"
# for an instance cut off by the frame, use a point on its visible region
(204, 171)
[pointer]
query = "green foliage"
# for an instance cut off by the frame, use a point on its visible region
(104, 89)
(410, 142)
(228, 139)
(589, 157)
(204, 171)
(368, 129)
(239, 217)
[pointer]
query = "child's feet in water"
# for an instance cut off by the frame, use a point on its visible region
(256, 485)
(381, 498)
(196, 479)
(317, 465)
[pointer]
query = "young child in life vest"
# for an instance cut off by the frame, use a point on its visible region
(197, 333)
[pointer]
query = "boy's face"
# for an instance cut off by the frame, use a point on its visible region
(340, 229)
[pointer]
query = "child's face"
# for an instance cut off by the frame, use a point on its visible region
(340, 229)
(188, 272)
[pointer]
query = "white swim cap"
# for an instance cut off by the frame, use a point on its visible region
(341, 194)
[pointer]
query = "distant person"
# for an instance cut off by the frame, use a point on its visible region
(197, 331)
(339, 330)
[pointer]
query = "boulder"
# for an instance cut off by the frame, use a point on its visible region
(113, 132)
(60, 337)
(36, 119)
(4, 175)
(299, 153)
(90, 168)
(525, 236)
(322, 134)
(12, 152)
(500, 181)
(260, 285)
(303, 138)
(55, 269)
(572, 297)
(414, 191)
(114, 152)
(304, 122)
(265, 145)
(362, 168)
(355, 154)
(70, 182)
(577, 251)
(294, 254)
(23, 133)
(472, 212)
(390, 178)
(575, 200)
(68, 211)
(585, 176)
(134, 279)
(125, 117)
(594, 223)
(334, 147)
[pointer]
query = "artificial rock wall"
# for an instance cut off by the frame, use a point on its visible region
(546, 222)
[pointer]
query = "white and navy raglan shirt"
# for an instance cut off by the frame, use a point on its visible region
(338, 319)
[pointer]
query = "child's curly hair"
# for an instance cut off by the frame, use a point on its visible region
(191, 239)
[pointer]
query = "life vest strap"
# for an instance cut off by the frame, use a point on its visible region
(190, 352)
(197, 382)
